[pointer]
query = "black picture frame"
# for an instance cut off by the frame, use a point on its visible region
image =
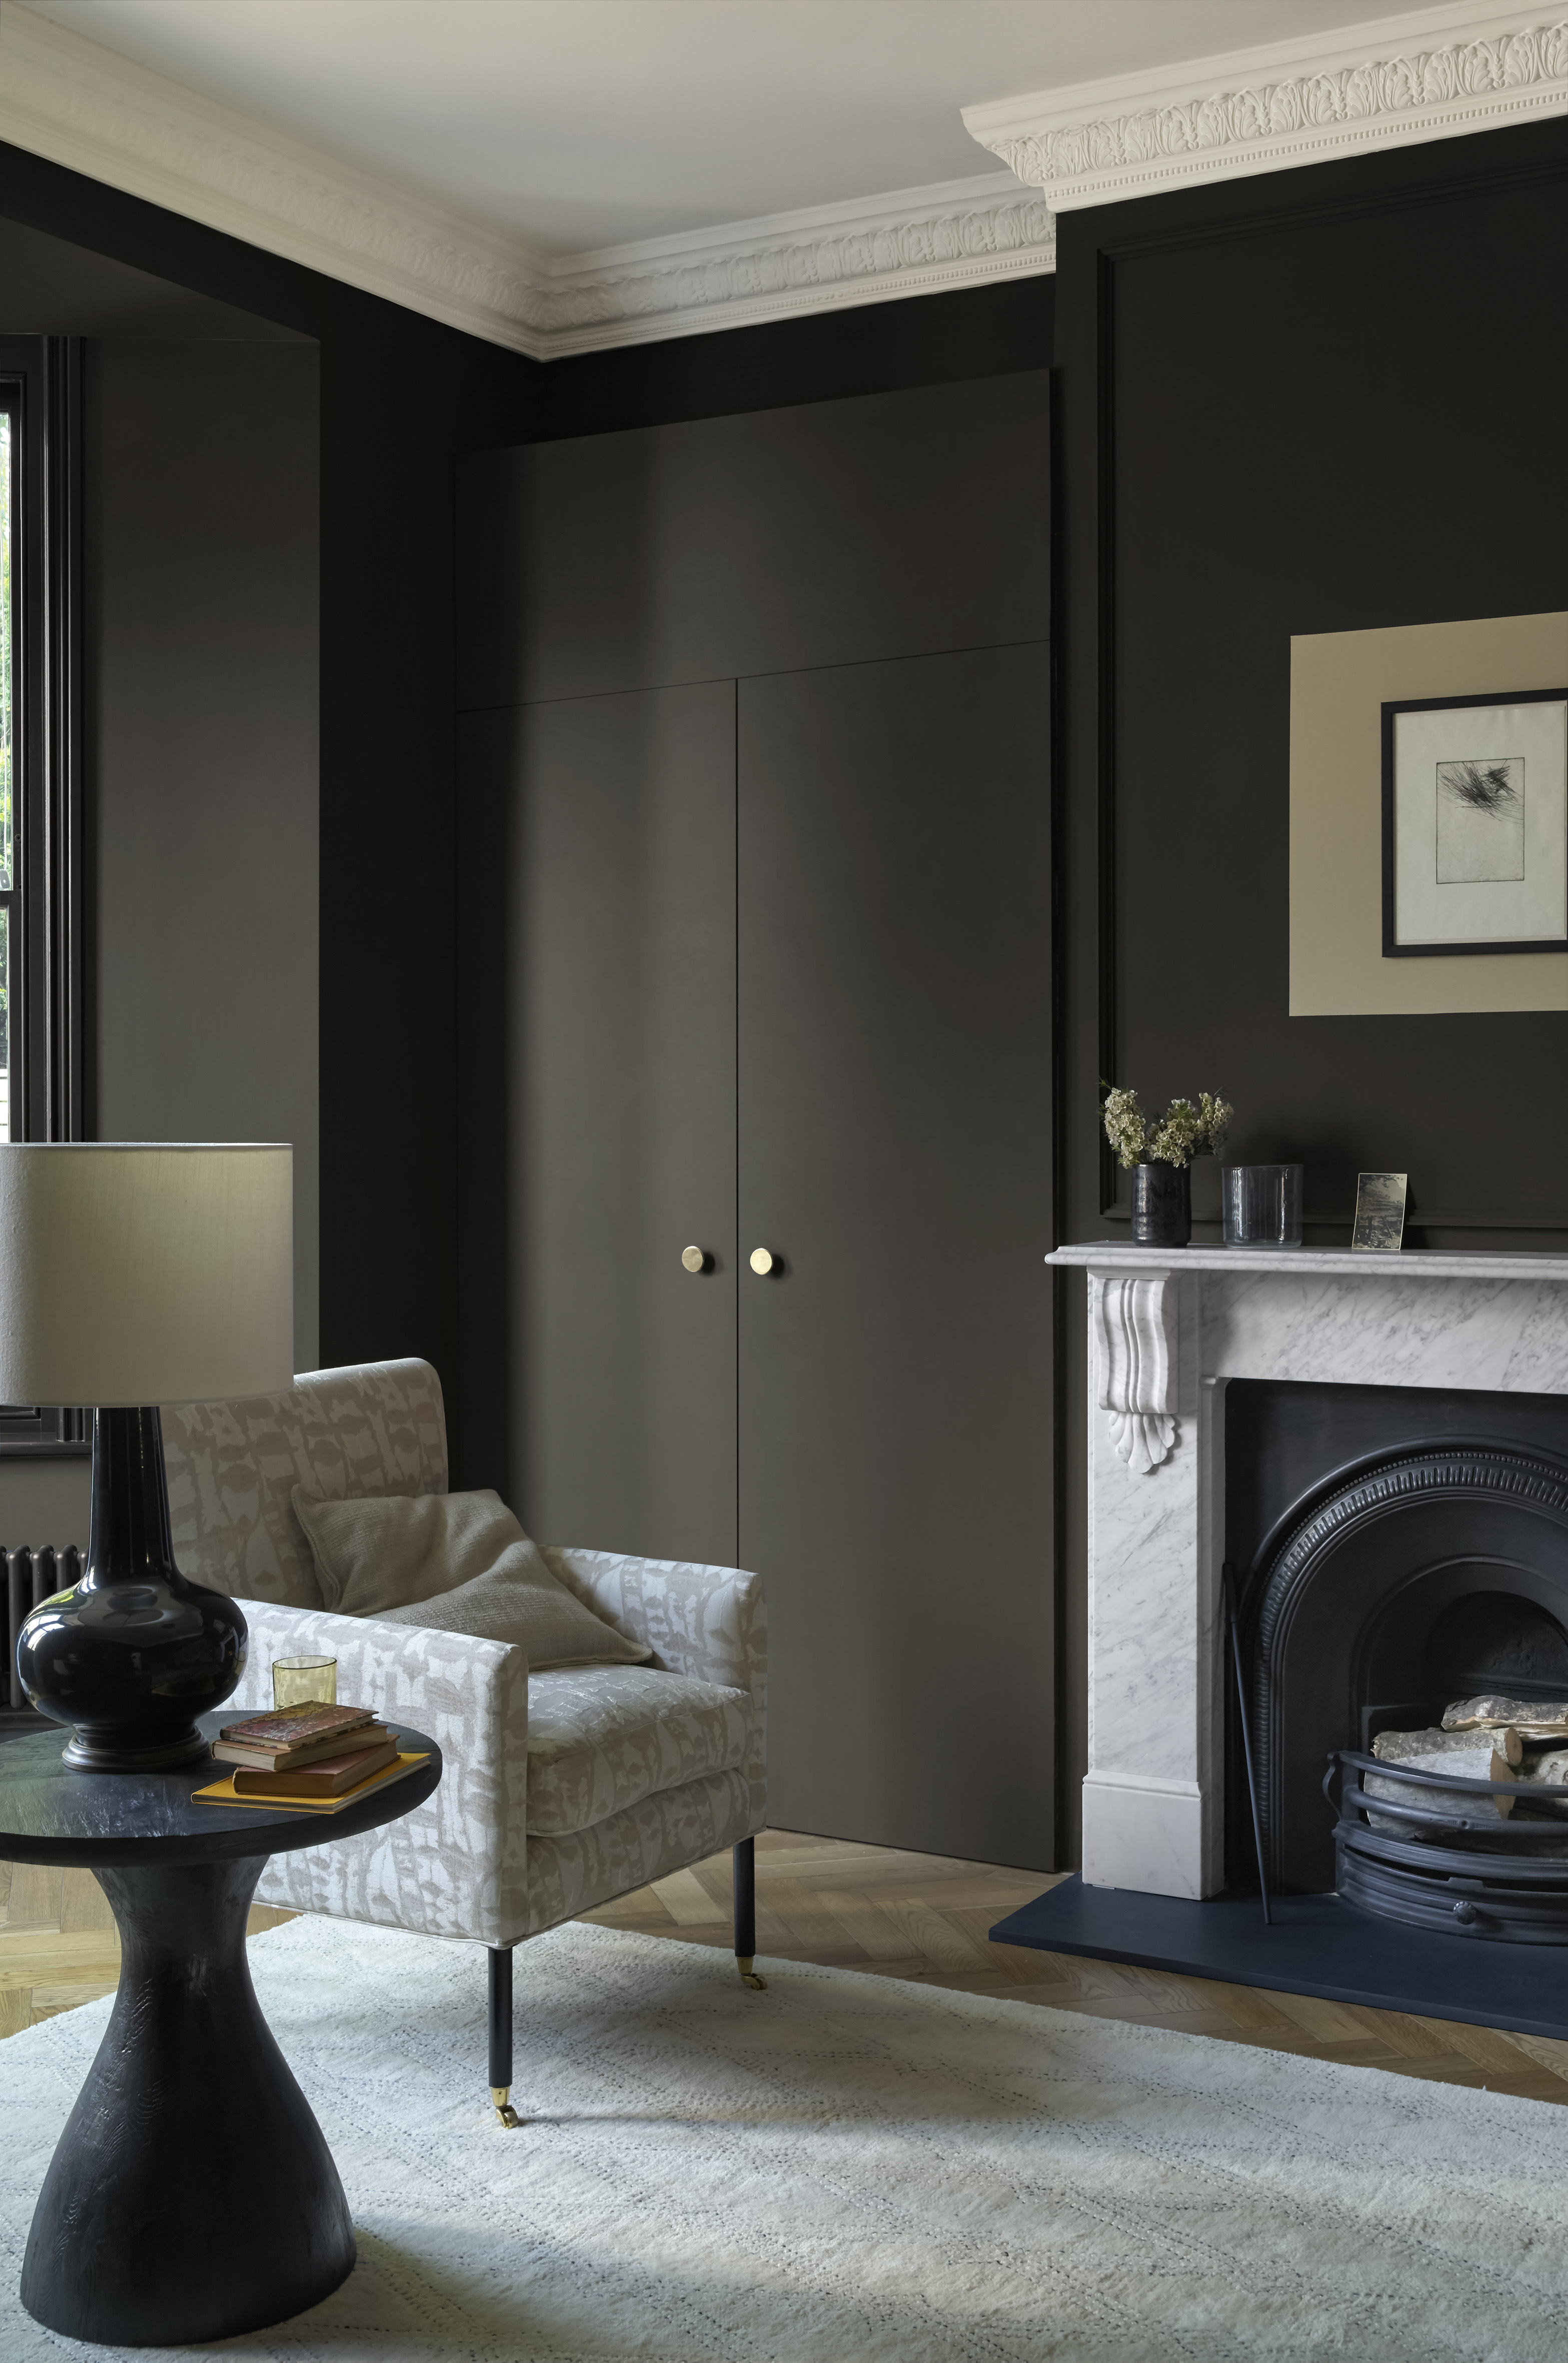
(1392, 706)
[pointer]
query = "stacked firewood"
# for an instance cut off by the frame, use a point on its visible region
(1520, 1741)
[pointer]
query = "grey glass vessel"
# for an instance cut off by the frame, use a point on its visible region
(1260, 1205)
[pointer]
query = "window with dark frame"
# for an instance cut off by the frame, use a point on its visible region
(40, 784)
(10, 441)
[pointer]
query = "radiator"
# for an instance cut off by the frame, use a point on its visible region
(32, 1576)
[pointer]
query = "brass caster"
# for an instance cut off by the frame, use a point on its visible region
(503, 2108)
(748, 1976)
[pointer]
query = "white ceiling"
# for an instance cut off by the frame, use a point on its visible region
(567, 126)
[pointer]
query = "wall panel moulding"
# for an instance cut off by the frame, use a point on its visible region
(1391, 83)
(83, 106)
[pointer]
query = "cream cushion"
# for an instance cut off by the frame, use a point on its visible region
(607, 1736)
(454, 1563)
(376, 1428)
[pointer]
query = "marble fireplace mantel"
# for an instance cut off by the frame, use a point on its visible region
(1168, 1330)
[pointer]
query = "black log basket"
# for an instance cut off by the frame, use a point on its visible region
(1403, 1856)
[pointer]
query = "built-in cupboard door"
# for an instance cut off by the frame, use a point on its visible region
(600, 1025)
(895, 1157)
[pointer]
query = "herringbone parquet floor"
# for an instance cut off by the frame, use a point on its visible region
(918, 1916)
(58, 1944)
(869, 1908)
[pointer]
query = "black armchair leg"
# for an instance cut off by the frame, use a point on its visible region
(500, 2034)
(745, 1914)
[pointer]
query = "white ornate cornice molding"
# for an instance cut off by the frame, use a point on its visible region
(1134, 1323)
(958, 234)
(1391, 83)
(80, 104)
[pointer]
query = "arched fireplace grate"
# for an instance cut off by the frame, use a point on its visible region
(1402, 1583)
(1402, 1851)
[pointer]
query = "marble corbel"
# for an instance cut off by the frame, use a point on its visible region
(1135, 1323)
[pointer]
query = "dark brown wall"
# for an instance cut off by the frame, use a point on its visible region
(1312, 402)
(826, 357)
(827, 533)
(201, 500)
(400, 396)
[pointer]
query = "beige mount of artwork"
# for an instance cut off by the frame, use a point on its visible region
(1338, 682)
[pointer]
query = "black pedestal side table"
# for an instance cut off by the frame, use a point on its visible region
(192, 2195)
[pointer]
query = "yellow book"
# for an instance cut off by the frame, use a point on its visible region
(222, 1791)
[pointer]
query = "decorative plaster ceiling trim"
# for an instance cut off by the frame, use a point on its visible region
(1401, 81)
(958, 234)
(82, 105)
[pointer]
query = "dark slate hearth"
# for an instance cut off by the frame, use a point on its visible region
(1317, 1945)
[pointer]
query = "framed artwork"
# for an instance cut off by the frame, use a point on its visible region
(1476, 823)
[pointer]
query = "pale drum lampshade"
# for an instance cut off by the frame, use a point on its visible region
(134, 1274)
(151, 1273)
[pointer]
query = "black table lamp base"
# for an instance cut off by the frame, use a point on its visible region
(112, 1748)
(136, 1652)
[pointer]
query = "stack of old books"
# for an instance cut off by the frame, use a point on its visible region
(323, 1757)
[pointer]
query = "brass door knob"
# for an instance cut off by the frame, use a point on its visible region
(763, 1262)
(695, 1258)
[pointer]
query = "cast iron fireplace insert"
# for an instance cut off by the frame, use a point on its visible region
(1416, 1579)
(1430, 1568)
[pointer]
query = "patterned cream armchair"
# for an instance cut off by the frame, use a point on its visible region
(562, 1789)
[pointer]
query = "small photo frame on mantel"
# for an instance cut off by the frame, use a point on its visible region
(1476, 823)
(1380, 1211)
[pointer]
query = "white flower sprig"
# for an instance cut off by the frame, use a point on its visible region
(1182, 1132)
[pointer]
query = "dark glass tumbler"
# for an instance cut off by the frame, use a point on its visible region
(1260, 1205)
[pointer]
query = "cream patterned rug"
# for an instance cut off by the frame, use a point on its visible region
(850, 2169)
